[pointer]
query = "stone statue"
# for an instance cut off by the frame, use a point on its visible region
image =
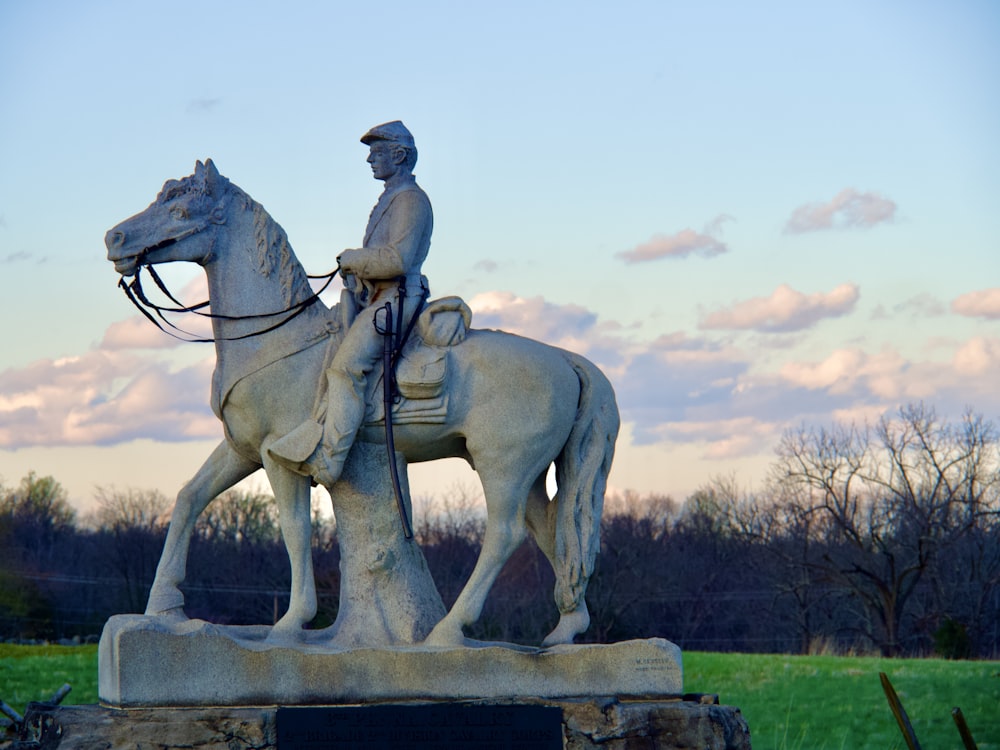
(382, 280)
(508, 405)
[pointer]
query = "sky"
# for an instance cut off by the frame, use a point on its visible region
(752, 216)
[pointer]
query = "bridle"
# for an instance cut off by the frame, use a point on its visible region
(137, 296)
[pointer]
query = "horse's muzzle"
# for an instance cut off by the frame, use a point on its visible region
(125, 261)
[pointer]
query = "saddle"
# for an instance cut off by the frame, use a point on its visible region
(422, 367)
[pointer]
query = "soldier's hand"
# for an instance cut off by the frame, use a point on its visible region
(347, 260)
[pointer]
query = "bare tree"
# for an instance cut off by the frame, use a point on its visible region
(130, 508)
(885, 502)
(130, 525)
(237, 516)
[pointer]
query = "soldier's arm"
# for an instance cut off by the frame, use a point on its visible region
(409, 218)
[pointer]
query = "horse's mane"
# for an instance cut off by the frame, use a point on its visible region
(274, 253)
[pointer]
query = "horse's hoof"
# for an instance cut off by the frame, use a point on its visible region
(169, 601)
(172, 615)
(286, 632)
(571, 624)
(445, 637)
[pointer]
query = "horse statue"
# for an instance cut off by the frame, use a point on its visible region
(514, 406)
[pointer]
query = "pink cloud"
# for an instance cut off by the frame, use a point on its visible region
(844, 370)
(569, 326)
(984, 303)
(785, 310)
(104, 397)
(849, 208)
(977, 356)
(725, 439)
(135, 333)
(683, 243)
(892, 379)
(139, 333)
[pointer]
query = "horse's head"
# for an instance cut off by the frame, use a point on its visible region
(174, 225)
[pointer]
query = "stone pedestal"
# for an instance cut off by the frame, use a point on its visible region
(590, 724)
(144, 661)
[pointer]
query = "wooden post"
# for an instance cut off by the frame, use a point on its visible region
(900, 713)
(963, 729)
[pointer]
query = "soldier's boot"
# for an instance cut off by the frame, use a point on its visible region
(319, 450)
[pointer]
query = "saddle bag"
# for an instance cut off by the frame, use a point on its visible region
(423, 366)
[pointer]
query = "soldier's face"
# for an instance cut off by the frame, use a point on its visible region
(383, 161)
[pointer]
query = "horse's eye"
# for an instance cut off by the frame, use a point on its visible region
(179, 213)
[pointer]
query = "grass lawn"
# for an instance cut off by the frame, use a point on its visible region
(790, 702)
(836, 702)
(34, 673)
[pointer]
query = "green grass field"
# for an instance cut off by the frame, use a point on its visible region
(836, 702)
(790, 702)
(34, 673)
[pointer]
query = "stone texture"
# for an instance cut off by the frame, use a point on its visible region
(144, 661)
(606, 723)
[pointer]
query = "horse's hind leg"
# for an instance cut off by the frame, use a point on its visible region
(223, 468)
(541, 517)
(506, 496)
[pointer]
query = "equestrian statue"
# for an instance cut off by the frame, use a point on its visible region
(296, 383)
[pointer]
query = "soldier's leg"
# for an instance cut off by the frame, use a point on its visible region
(319, 449)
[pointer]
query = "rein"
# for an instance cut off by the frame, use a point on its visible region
(137, 296)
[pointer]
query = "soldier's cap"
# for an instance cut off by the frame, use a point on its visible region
(394, 132)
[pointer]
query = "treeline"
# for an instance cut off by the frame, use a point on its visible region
(867, 539)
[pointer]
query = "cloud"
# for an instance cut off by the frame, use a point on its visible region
(139, 333)
(725, 439)
(136, 333)
(849, 208)
(785, 310)
(104, 398)
(729, 401)
(844, 370)
(683, 243)
(921, 306)
(23, 256)
(684, 391)
(977, 356)
(984, 303)
(568, 326)
(489, 266)
(203, 105)
(665, 381)
(125, 388)
(854, 376)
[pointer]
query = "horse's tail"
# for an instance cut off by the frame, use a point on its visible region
(581, 477)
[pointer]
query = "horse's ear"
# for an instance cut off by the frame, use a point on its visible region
(199, 169)
(212, 177)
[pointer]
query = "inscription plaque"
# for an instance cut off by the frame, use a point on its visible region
(425, 727)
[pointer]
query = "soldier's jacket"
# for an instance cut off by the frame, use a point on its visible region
(396, 243)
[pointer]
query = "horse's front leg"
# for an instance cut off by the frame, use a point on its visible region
(292, 493)
(222, 470)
